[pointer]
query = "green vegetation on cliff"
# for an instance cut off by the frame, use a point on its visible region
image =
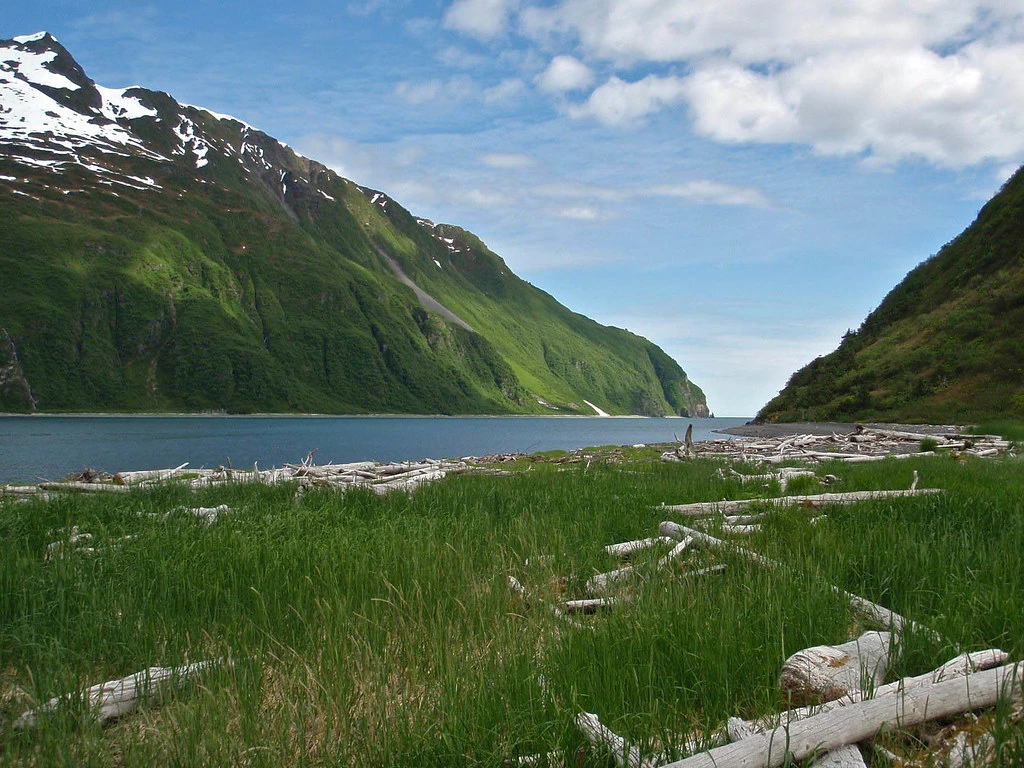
(946, 344)
(204, 266)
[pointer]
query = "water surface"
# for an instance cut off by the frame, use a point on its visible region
(51, 447)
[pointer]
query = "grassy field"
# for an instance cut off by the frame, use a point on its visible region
(369, 630)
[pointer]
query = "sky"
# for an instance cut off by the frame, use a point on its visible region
(741, 181)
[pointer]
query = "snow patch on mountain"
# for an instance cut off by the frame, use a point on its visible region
(220, 116)
(32, 67)
(24, 39)
(49, 134)
(119, 106)
(191, 139)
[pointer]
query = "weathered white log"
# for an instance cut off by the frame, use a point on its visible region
(676, 552)
(884, 616)
(589, 606)
(911, 437)
(551, 758)
(848, 756)
(783, 476)
(601, 736)
(21, 490)
(126, 478)
(627, 548)
(746, 519)
(87, 487)
(961, 666)
(679, 532)
(864, 719)
(829, 672)
(600, 582)
(706, 508)
(887, 618)
(207, 515)
(115, 698)
(402, 468)
(403, 483)
(710, 570)
(740, 530)
(985, 453)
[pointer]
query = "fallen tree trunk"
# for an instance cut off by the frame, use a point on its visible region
(589, 606)
(707, 508)
(627, 548)
(87, 487)
(848, 756)
(863, 720)
(144, 475)
(600, 736)
(829, 672)
(115, 698)
(887, 618)
(602, 581)
(961, 666)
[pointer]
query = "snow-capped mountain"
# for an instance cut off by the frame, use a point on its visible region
(168, 256)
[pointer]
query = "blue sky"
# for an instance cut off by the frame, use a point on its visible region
(738, 180)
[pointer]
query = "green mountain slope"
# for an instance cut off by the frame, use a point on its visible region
(158, 257)
(946, 344)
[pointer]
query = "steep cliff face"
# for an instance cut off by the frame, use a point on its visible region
(946, 344)
(15, 391)
(170, 258)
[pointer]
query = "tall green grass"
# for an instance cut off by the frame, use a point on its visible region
(371, 630)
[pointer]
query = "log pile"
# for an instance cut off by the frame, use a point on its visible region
(379, 477)
(839, 696)
(865, 444)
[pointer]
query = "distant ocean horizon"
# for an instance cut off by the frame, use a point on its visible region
(37, 447)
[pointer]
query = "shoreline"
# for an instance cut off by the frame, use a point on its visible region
(190, 415)
(827, 428)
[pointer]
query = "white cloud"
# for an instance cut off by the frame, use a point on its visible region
(565, 74)
(621, 103)
(480, 198)
(752, 31)
(482, 19)
(941, 80)
(506, 91)
(579, 191)
(446, 92)
(696, 191)
(508, 160)
(714, 192)
(887, 104)
(578, 212)
(453, 56)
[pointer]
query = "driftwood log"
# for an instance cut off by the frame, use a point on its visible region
(887, 618)
(624, 755)
(963, 665)
(627, 548)
(115, 698)
(864, 719)
(829, 672)
(709, 508)
(847, 756)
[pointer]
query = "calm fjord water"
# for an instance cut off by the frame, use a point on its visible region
(51, 447)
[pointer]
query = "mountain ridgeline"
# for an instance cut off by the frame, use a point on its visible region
(945, 346)
(160, 257)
